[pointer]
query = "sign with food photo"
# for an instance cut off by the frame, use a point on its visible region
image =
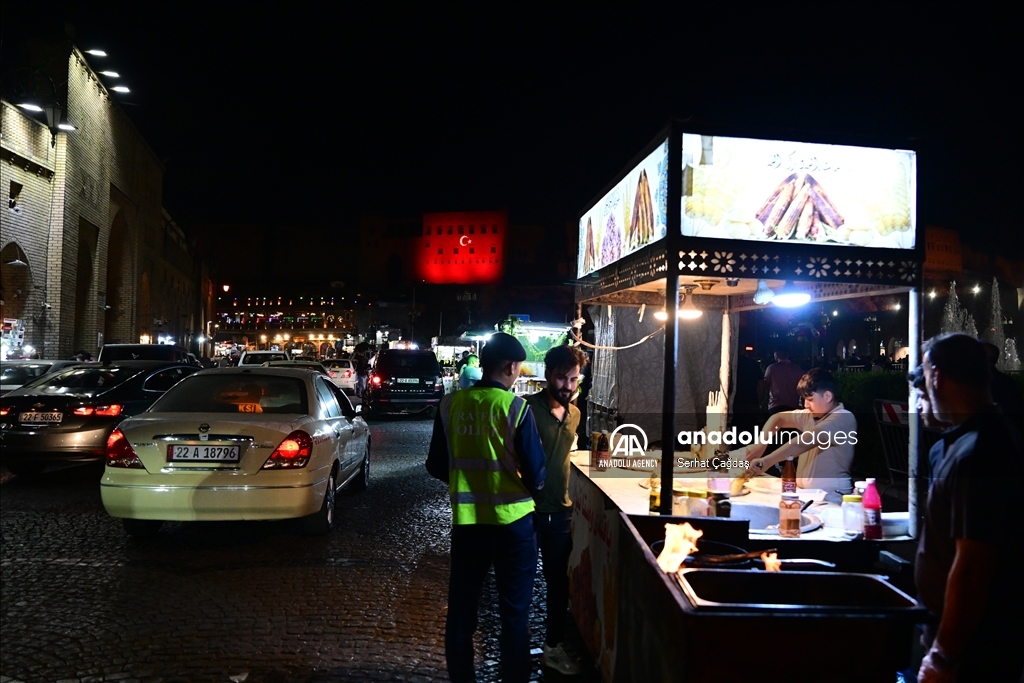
(739, 188)
(627, 218)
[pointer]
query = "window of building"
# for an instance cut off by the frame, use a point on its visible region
(440, 250)
(472, 250)
(494, 229)
(449, 229)
(494, 250)
(483, 229)
(455, 250)
(428, 229)
(472, 230)
(462, 230)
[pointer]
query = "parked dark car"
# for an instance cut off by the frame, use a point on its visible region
(164, 352)
(67, 416)
(404, 381)
(17, 373)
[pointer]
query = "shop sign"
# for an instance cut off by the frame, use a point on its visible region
(798, 192)
(629, 217)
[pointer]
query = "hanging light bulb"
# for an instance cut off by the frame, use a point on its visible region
(661, 315)
(791, 296)
(764, 294)
(688, 311)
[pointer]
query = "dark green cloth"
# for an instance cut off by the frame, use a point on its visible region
(557, 438)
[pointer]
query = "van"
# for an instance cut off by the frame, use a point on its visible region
(167, 352)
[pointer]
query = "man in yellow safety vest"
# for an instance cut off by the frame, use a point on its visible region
(486, 447)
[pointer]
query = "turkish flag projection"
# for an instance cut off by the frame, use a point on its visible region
(462, 248)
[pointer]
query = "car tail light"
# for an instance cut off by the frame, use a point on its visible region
(293, 452)
(4, 410)
(376, 379)
(348, 373)
(113, 410)
(438, 384)
(120, 453)
(332, 373)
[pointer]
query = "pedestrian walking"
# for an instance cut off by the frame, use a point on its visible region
(362, 364)
(780, 380)
(967, 568)
(470, 373)
(557, 420)
(492, 484)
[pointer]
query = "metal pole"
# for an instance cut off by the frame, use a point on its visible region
(673, 239)
(914, 481)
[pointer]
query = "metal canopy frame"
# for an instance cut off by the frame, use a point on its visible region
(828, 271)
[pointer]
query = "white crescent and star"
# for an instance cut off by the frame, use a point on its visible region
(463, 241)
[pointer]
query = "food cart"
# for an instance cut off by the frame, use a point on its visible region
(696, 230)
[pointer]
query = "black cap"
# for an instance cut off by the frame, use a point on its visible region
(502, 348)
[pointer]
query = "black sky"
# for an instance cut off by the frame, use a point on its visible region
(312, 114)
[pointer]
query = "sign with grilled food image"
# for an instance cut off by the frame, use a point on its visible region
(629, 217)
(739, 188)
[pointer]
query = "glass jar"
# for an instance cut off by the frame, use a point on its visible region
(698, 504)
(789, 515)
(853, 514)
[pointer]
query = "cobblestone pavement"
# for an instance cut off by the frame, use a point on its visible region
(254, 601)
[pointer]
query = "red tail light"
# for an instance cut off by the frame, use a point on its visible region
(332, 373)
(4, 410)
(376, 379)
(293, 452)
(439, 384)
(120, 453)
(348, 373)
(113, 410)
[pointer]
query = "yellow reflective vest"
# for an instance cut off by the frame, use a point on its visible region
(484, 480)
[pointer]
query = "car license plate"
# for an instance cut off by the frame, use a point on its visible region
(40, 417)
(408, 380)
(195, 453)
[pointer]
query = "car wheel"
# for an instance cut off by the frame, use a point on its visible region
(362, 480)
(26, 469)
(142, 528)
(321, 523)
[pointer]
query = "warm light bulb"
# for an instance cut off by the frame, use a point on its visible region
(112, 74)
(931, 294)
(661, 315)
(98, 53)
(120, 88)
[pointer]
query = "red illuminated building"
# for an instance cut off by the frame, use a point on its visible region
(462, 248)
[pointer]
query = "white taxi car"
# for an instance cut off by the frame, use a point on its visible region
(252, 443)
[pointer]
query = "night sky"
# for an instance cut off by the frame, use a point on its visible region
(313, 114)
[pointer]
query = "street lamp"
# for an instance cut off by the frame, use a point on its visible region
(227, 288)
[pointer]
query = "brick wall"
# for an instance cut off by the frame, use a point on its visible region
(29, 161)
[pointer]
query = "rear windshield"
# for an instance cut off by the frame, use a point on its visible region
(21, 374)
(140, 352)
(261, 358)
(81, 382)
(411, 363)
(338, 363)
(235, 393)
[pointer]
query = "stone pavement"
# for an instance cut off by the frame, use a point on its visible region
(252, 602)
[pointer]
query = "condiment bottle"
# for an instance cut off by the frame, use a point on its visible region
(789, 476)
(603, 452)
(872, 503)
(853, 513)
(595, 438)
(789, 515)
(655, 504)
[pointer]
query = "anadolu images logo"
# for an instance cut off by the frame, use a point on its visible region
(628, 441)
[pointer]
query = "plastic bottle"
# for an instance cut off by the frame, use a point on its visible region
(789, 515)
(789, 476)
(872, 503)
(853, 513)
(858, 487)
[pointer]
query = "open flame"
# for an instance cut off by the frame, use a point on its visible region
(771, 562)
(680, 541)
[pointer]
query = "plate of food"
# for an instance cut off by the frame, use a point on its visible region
(766, 484)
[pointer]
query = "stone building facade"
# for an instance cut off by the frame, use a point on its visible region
(103, 261)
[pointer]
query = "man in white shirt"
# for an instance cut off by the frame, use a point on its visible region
(827, 435)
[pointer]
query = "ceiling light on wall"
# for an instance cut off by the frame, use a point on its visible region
(688, 311)
(120, 88)
(112, 74)
(791, 296)
(764, 294)
(97, 53)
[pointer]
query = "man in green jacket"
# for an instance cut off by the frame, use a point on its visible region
(557, 420)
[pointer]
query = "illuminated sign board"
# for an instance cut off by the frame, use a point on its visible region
(797, 192)
(629, 217)
(462, 248)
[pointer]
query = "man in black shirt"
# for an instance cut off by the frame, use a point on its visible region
(967, 567)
